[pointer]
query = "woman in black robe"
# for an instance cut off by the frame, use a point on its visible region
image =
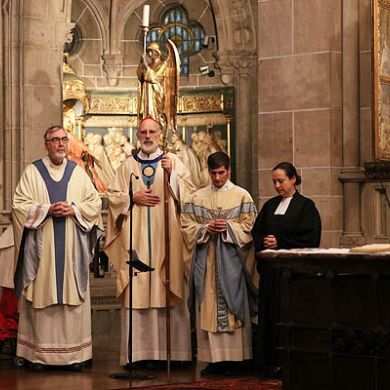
(286, 221)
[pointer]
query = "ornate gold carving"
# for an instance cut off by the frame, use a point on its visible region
(384, 3)
(73, 86)
(201, 120)
(74, 89)
(111, 105)
(123, 121)
(202, 103)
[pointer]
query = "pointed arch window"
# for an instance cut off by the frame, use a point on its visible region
(185, 33)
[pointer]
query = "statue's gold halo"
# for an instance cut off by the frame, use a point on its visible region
(148, 171)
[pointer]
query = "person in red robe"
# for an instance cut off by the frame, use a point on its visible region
(9, 315)
(9, 318)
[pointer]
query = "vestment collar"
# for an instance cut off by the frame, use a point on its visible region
(144, 157)
(227, 186)
(49, 163)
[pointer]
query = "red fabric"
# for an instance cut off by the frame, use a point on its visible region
(223, 384)
(9, 315)
(149, 117)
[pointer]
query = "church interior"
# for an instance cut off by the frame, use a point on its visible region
(264, 81)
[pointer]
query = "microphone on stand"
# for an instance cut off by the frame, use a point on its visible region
(141, 267)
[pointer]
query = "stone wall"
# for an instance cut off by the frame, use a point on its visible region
(315, 110)
(300, 101)
(32, 38)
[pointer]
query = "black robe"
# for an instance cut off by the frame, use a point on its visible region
(299, 227)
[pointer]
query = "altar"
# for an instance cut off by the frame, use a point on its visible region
(327, 317)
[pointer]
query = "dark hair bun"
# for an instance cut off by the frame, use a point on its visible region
(290, 171)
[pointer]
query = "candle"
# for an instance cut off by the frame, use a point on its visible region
(145, 17)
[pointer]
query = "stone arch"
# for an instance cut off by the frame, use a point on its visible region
(126, 12)
(101, 22)
(235, 23)
(92, 21)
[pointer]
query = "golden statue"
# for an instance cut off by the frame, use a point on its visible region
(158, 86)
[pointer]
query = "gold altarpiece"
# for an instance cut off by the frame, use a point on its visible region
(201, 112)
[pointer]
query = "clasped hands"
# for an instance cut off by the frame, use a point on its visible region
(270, 242)
(217, 226)
(61, 209)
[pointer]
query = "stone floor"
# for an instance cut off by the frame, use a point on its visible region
(105, 363)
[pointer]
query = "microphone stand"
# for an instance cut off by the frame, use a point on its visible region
(130, 374)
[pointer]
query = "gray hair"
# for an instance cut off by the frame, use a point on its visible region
(51, 129)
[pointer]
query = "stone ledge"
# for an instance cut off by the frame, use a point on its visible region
(353, 174)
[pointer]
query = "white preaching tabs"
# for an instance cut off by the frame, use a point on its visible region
(283, 206)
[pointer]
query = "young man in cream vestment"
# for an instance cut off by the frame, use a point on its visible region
(56, 219)
(217, 222)
(148, 321)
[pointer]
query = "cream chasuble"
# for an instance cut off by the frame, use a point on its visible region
(30, 206)
(52, 333)
(221, 336)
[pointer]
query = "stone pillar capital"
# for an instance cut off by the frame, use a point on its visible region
(64, 34)
(112, 67)
(240, 63)
(68, 32)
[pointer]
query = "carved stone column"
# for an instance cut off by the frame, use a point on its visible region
(31, 83)
(12, 95)
(2, 128)
(239, 69)
(351, 173)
